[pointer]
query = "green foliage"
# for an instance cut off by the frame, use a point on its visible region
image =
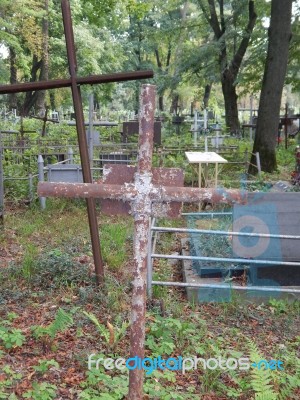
(56, 269)
(11, 337)
(114, 243)
(28, 264)
(111, 334)
(261, 378)
(100, 385)
(273, 385)
(41, 391)
(167, 333)
(61, 323)
(44, 365)
(10, 380)
(280, 306)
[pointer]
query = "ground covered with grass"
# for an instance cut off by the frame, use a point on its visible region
(52, 317)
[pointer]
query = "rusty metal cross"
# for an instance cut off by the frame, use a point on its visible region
(74, 82)
(151, 192)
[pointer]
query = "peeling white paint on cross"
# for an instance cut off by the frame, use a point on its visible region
(150, 188)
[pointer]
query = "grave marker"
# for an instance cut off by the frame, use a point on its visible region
(74, 82)
(145, 196)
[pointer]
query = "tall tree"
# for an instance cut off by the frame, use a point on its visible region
(225, 19)
(274, 75)
(44, 74)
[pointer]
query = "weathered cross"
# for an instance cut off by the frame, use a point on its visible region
(74, 82)
(151, 192)
(45, 119)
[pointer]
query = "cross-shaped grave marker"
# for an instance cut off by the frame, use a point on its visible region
(74, 82)
(45, 119)
(151, 193)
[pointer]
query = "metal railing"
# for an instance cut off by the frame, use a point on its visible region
(153, 255)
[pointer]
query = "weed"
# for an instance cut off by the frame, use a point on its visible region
(11, 337)
(55, 269)
(47, 334)
(29, 260)
(113, 244)
(44, 366)
(112, 334)
(279, 306)
(41, 391)
(9, 380)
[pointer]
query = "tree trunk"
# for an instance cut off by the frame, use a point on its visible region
(229, 69)
(174, 104)
(177, 56)
(52, 100)
(161, 102)
(206, 96)
(230, 100)
(13, 77)
(30, 97)
(272, 85)
(40, 106)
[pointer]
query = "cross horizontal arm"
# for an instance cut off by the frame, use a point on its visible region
(87, 80)
(128, 192)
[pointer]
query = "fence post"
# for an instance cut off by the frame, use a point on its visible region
(251, 118)
(258, 163)
(149, 262)
(246, 161)
(1, 190)
(217, 136)
(41, 179)
(205, 119)
(70, 155)
(30, 183)
(195, 128)
(206, 144)
(90, 131)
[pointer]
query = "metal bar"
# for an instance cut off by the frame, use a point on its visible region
(87, 80)
(91, 128)
(8, 178)
(229, 260)
(195, 195)
(1, 187)
(158, 194)
(70, 155)
(125, 192)
(142, 214)
(222, 286)
(83, 149)
(30, 183)
(150, 260)
(75, 168)
(225, 233)
(41, 178)
(206, 213)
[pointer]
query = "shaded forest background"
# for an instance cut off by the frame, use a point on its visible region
(205, 53)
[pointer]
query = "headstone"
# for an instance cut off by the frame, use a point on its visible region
(132, 128)
(269, 213)
(65, 173)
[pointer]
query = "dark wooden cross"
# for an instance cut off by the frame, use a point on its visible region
(74, 82)
(45, 119)
(150, 191)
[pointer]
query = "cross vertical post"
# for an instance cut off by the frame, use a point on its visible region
(142, 213)
(83, 149)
